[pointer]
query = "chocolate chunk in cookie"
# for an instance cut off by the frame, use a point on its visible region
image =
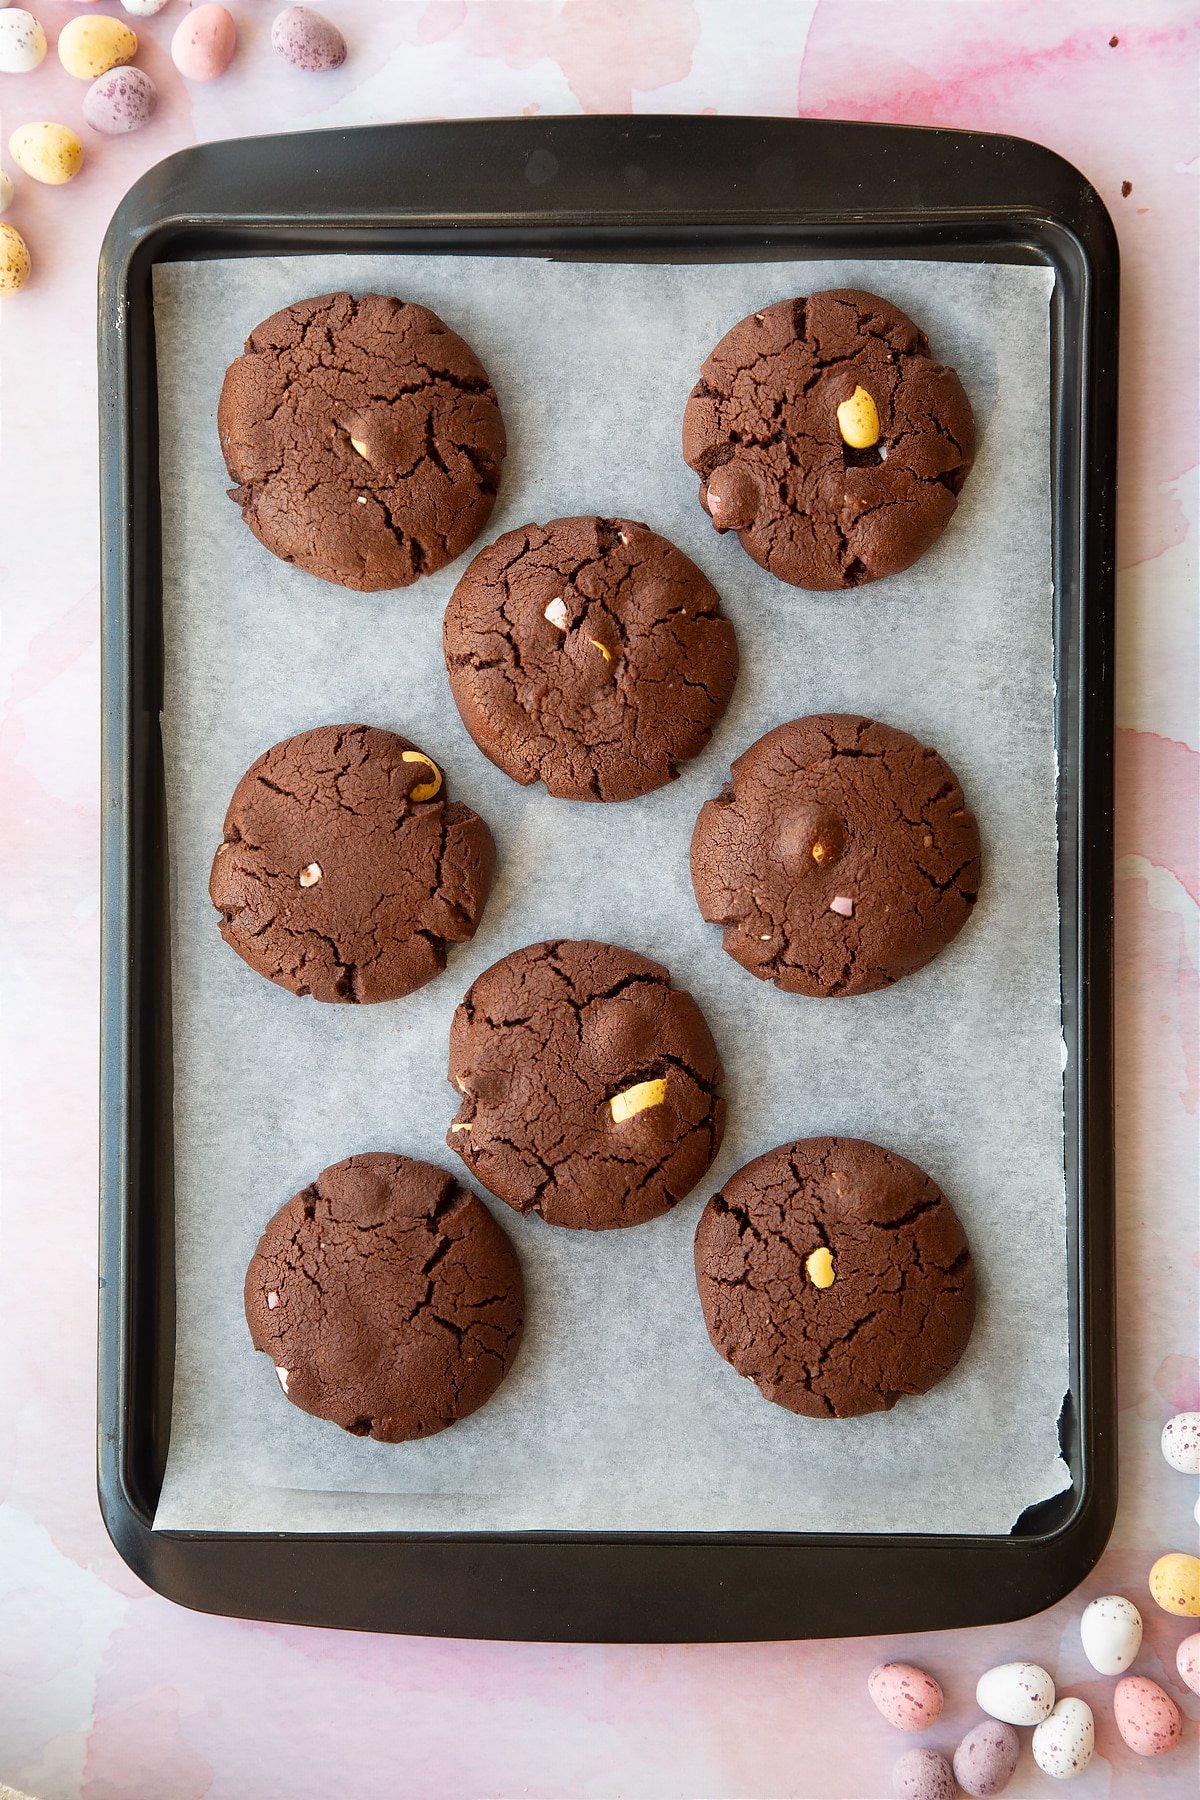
(836, 1276)
(588, 654)
(388, 1298)
(344, 871)
(840, 857)
(588, 1085)
(826, 436)
(364, 437)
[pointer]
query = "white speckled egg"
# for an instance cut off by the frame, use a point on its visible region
(1063, 1743)
(204, 42)
(14, 261)
(1147, 1719)
(1181, 1442)
(907, 1697)
(986, 1759)
(922, 1775)
(6, 187)
(22, 42)
(46, 151)
(123, 100)
(1187, 1661)
(1111, 1629)
(143, 9)
(307, 40)
(1020, 1693)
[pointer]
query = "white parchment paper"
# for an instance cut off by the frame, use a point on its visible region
(618, 1414)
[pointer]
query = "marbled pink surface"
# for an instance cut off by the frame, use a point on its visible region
(106, 1691)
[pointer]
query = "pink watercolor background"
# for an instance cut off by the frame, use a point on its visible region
(109, 1693)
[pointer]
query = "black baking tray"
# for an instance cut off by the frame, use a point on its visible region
(632, 188)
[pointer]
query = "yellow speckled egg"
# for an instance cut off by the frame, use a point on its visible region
(91, 46)
(14, 261)
(50, 153)
(1175, 1584)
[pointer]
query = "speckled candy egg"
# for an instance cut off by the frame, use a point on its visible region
(907, 1697)
(91, 45)
(14, 261)
(1181, 1442)
(22, 42)
(1175, 1584)
(1111, 1630)
(922, 1775)
(986, 1759)
(120, 101)
(1020, 1693)
(204, 42)
(1187, 1661)
(1147, 1719)
(48, 152)
(143, 9)
(6, 186)
(1063, 1743)
(307, 40)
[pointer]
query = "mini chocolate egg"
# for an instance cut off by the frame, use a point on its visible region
(922, 1775)
(1187, 1661)
(22, 42)
(123, 100)
(46, 151)
(907, 1697)
(1181, 1442)
(1175, 1584)
(6, 190)
(307, 40)
(1147, 1719)
(204, 42)
(14, 261)
(1063, 1743)
(1111, 1630)
(1020, 1693)
(90, 45)
(143, 9)
(986, 1759)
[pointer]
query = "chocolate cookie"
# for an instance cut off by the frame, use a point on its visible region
(836, 1276)
(839, 858)
(826, 436)
(388, 1298)
(364, 437)
(589, 654)
(344, 872)
(588, 1084)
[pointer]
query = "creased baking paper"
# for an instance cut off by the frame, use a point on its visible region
(618, 1414)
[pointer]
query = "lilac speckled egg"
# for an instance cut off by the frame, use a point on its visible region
(1181, 1442)
(307, 40)
(1187, 1661)
(204, 42)
(1147, 1719)
(122, 100)
(907, 1697)
(1063, 1743)
(922, 1775)
(985, 1761)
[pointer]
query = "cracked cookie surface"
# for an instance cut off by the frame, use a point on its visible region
(761, 430)
(588, 1085)
(589, 654)
(388, 1298)
(364, 437)
(839, 858)
(888, 1311)
(341, 874)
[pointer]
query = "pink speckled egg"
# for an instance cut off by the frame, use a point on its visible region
(204, 42)
(907, 1697)
(986, 1760)
(1187, 1661)
(120, 101)
(307, 40)
(1147, 1719)
(922, 1775)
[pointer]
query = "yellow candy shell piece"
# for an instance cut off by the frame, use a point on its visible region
(46, 151)
(858, 420)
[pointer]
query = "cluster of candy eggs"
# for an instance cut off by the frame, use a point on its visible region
(99, 49)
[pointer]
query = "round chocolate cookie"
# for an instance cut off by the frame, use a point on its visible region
(839, 858)
(364, 437)
(835, 1276)
(344, 872)
(826, 436)
(588, 1085)
(388, 1298)
(589, 654)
